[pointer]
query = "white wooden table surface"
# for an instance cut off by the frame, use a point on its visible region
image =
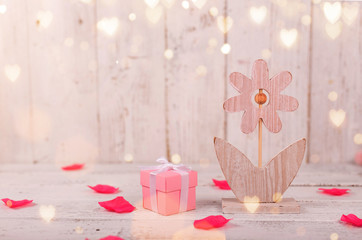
(78, 214)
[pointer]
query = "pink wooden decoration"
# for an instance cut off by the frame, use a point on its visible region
(246, 100)
(260, 98)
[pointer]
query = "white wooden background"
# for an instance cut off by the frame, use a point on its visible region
(69, 92)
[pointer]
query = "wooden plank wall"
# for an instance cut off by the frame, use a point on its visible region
(87, 81)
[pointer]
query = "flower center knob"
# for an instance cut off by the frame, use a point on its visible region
(260, 98)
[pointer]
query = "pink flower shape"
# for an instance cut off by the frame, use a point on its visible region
(249, 93)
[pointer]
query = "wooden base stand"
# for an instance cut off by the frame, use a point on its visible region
(233, 205)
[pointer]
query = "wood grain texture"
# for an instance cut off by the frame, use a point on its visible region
(285, 206)
(85, 96)
(344, 53)
(131, 83)
(78, 215)
(195, 81)
(15, 95)
(250, 183)
(63, 103)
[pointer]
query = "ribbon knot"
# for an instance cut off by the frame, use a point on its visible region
(167, 166)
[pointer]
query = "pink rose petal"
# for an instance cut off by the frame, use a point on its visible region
(99, 188)
(119, 205)
(14, 204)
(222, 184)
(111, 238)
(352, 219)
(73, 167)
(211, 222)
(334, 191)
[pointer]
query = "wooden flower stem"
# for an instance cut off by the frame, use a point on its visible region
(260, 160)
(260, 136)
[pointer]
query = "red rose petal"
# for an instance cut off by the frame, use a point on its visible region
(14, 204)
(99, 188)
(334, 191)
(73, 167)
(119, 205)
(352, 219)
(223, 184)
(211, 222)
(111, 238)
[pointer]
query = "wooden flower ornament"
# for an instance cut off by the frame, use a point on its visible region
(260, 97)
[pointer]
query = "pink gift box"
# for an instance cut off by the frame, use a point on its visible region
(168, 189)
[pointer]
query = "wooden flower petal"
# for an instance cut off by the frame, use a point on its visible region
(260, 74)
(73, 167)
(222, 184)
(287, 103)
(111, 238)
(272, 121)
(240, 82)
(334, 191)
(237, 103)
(352, 219)
(211, 222)
(248, 102)
(281, 81)
(119, 205)
(249, 121)
(14, 204)
(99, 188)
